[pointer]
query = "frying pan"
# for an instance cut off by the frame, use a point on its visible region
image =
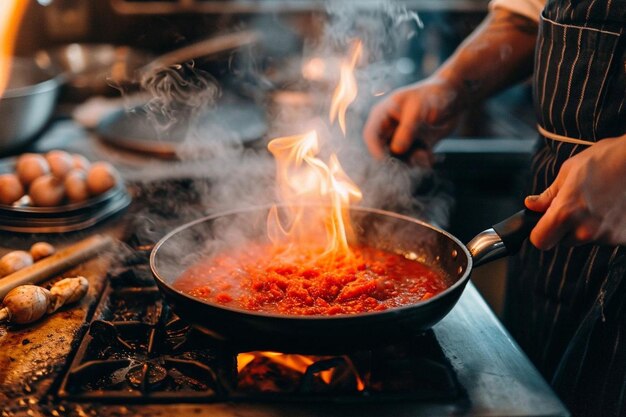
(245, 330)
(101, 69)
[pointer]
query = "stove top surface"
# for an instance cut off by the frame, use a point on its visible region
(136, 350)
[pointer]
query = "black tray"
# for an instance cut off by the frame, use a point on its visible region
(64, 218)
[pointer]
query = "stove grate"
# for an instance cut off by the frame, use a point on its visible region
(138, 351)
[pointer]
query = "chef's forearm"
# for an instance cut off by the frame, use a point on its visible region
(498, 54)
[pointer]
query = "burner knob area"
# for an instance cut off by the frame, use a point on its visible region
(106, 334)
(146, 376)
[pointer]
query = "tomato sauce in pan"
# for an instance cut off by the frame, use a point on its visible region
(259, 278)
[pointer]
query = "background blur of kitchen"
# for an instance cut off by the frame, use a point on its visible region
(485, 159)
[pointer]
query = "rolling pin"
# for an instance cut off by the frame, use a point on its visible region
(55, 263)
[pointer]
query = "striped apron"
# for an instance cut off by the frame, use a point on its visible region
(567, 307)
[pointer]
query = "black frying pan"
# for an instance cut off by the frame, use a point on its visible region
(262, 331)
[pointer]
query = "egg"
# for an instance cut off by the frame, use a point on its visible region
(101, 177)
(75, 183)
(60, 163)
(41, 250)
(11, 189)
(46, 191)
(80, 162)
(30, 166)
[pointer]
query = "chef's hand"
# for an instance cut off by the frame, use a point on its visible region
(587, 200)
(410, 121)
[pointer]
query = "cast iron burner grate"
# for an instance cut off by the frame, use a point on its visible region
(138, 351)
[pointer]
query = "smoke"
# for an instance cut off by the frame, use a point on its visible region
(383, 26)
(178, 94)
(386, 29)
(222, 172)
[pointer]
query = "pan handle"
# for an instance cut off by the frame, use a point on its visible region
(504, 238)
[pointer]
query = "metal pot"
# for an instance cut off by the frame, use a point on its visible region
(27, 103)
(262, 331)
(94, 69)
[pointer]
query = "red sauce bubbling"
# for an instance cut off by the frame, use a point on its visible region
(258, 278)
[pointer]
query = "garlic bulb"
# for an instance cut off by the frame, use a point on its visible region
(41, 250)
(29, 303)
(25, 304)
(67, 291)
(14, 261)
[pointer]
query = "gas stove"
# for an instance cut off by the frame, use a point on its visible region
(136, 350)
(134, 356)
(131, 355)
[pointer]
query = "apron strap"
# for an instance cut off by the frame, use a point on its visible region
(561, 138)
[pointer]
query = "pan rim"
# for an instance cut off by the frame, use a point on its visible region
(291, 317)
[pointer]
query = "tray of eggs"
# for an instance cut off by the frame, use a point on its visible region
(58, 192)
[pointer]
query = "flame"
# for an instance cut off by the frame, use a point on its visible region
(346, 91)
(298, 363)
(341, 191)
(304, 178)
(11, 12)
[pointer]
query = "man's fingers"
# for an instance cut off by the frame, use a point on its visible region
(562, 213)
(378, 130)
(403, 137)
(542, 201)
(585, 232)
(399, 125)
(558, 222)
(547, 232)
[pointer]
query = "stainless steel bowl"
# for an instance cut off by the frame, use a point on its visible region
(27, 103)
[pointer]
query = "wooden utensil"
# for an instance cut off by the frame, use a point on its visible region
(61, 260)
